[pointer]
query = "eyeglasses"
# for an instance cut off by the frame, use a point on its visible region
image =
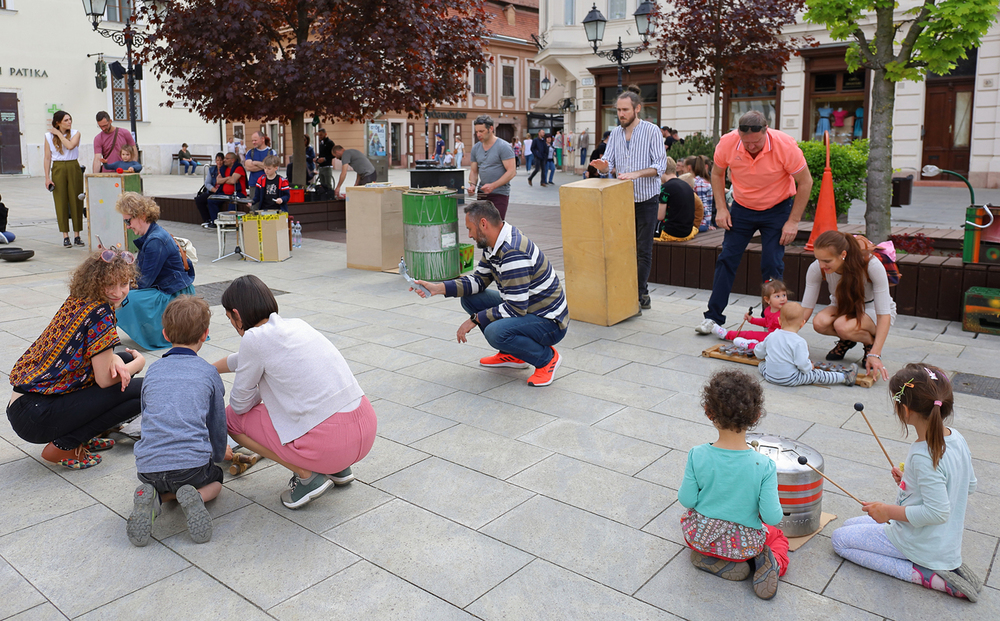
(109, 255)
(128, 221)
(753, 129)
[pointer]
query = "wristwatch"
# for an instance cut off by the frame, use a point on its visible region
(472, 318)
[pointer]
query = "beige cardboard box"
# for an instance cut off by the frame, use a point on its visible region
(375, 227)
(598, 231)
(265, 235)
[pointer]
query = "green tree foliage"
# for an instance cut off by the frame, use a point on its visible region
(695, 144)
(905, 44)
(849, 165)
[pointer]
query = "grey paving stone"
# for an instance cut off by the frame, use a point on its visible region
(185, 594)
(852, 445)
(597, 446)
(94, 527)
(627, 351)
(19, 595)
(294, 557)
(987, 477)
(482, 451)
(696, 595)
(365, 591)
(660, 428)
(667, 471)
(118, 459)
(543, 591)
(472, 379)
(451, 561)
(592, 363)
(551, 400)
(981, 514)
(410, 391)
(37, 493)
(381, 356)
(405, 424)
(600, 387)
(486, 414)
(9, 452)
(598, 490)
(385, 458)
(812, 565)
(381, 335)
(667, 525)
(441, 349)
(446, 489)
(45, 612)
(600, 549)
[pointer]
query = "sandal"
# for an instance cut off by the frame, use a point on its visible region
(76, 459)
(840, 350)
(99, 444)
(868, 350)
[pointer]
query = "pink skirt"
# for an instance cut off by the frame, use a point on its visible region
(331, 446)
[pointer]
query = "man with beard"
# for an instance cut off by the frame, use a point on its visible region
(635, 152)
(528, 315)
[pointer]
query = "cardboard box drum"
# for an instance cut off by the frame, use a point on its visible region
(375, 227)
(265, 235)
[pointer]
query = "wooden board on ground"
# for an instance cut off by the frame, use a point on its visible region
(715, 351)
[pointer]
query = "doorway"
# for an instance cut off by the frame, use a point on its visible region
(948, 124)
(396, 144)
(505, 131)
(10, 135)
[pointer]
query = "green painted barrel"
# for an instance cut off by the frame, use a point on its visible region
(430, 234)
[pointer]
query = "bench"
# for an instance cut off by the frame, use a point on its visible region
(175, 164)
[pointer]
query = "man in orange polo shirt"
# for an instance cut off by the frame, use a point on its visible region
(771, 185)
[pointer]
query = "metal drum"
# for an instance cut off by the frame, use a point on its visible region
(430, 234)
(800, 489)
(326, 174)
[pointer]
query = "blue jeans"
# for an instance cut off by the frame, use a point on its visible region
(528, 162)
(189, 163)
(745, 223)
(550, 166)
(583, 157)
(529, 338)
(645, 228)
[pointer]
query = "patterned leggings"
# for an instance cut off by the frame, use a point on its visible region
(799, 379)
(862, 540)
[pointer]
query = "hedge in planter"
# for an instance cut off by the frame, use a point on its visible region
(695, 144)
(849, 164)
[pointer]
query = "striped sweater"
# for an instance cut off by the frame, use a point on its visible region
(523, 275)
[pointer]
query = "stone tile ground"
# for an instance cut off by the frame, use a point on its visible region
(482, 497)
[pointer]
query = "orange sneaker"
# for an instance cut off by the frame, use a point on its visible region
(503, 360)
(543, 375)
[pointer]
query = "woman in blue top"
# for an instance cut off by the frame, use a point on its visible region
(163, 274)
(731, 491)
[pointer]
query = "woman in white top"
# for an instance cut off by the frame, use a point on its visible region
(65, 179)
(861, 309)
(294, 399)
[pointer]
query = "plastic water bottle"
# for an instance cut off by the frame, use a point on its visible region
(297, 235)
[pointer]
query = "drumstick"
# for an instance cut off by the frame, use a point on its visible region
(805, 462)
(861, 408)
(750, 312)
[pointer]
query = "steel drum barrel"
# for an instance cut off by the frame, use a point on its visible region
(430, 234)
(800, 489)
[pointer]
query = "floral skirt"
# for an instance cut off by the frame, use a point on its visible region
(722, 538)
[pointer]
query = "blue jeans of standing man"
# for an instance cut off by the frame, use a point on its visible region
(645, 227)
(745, 223)
(529, 338)
(550, 166)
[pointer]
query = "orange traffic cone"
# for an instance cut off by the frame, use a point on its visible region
(825, 218)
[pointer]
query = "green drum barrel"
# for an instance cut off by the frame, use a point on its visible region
(430, 234)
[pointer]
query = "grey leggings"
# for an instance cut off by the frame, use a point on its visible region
(862, 540)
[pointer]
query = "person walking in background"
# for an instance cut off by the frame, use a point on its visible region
(526, 150)
(550, 163)
(539, 155)
(583, 144)
(569, 144)
(439, 149)
(459, 152)
(557, 143)
(65, 179)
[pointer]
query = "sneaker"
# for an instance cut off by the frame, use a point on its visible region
(739, 341)
(145, 508)
(705, 327)
(719, 331)
(205, 225)
(765, 579)
(726, 569)
(543, 375)
(67, 243)
(960, 586)
(344, 477)
(503, 360)
(78, 242)
(199, 521)
(851, 375)
(840, 350)
(644, 302)
(971, 577)
(302, 492)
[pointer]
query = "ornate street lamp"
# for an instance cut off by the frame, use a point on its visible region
(594, 23)
(546, 84)
(95, 10)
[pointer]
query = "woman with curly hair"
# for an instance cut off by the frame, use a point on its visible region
(861, 309)
(164, 273)
(70, 386)
(731, 491)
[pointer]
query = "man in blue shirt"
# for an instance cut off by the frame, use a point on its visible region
(439, 149)
(254, 162)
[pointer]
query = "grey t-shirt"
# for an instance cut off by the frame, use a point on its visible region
(490, 163)
(357, 160)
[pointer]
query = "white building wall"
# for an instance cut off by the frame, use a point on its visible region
(28, 41)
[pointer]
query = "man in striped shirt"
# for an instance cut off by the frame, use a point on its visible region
(528, 316)
(635, 151)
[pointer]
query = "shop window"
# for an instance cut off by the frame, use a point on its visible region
(119, 99)
(479, 82)
(650, 105)
(508, 80)
(738, 103)
(837, 105)
(569, 12)
(534, 84)
(825, 82)
(119, 10)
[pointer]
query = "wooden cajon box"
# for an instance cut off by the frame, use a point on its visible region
(265, 235)
(375, 227)
(598, 232)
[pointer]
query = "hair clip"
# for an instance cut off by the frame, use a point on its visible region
(898, 397)
(930, 374)
(937, 403)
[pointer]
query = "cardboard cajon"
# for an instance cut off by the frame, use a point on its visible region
(375, 227)
(265, 235)
(598, 232)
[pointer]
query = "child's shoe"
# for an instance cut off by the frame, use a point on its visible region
(739, 341)
(947, 582)
(765, 578)
(851, 375)
(145, 508)
(719, 331)
(723, 568)
(970, 576)
(199, 521)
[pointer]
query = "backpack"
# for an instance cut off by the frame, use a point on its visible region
(886, 254)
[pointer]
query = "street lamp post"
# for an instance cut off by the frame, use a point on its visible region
(95, 10)
(594, 25)
(931, 170)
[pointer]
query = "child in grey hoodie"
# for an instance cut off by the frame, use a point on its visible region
(784, 355)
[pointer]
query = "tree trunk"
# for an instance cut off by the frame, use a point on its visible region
(298, 150)
(717, 98)
(878, 225)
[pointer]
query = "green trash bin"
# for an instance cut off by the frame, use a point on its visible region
(430, 234)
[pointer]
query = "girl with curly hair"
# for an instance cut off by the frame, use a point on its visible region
(731, 491)
(70, 385)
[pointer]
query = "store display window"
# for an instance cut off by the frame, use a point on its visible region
(837, 105)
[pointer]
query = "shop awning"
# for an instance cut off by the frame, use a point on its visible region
(550, 100)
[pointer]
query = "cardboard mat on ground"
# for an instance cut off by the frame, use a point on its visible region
(265, 235)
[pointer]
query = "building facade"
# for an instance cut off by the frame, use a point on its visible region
(41, 73)
(950, 121)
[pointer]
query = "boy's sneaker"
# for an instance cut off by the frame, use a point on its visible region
(645, 303)
(543, 375)
(145, 508)
(850, 375)
(723, 568)
(344, 477)
(503, 360)
(705, 327)
(765, 578)
(304, 491)
(199, 521)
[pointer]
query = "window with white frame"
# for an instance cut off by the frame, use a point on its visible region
(119, 99)
(534, 83)
(479, 82)
(616, 9)
(569, 12)
(119, 10)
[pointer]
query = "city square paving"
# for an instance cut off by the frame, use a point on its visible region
(482, 497)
